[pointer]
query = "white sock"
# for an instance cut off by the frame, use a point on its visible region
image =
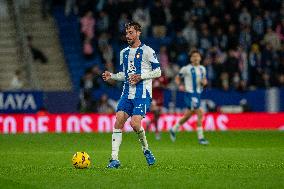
(176, 126)
(142, 139)
(116, 141)
(200, 132)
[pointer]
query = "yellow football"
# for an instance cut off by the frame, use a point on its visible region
(81, 160)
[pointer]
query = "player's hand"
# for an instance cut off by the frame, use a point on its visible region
(106, 75)
(181, 88)
(204, 82)
(135, 78)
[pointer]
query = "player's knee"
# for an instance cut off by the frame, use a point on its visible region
(119, 123)
(199, 112)
(135, 125)
(187, 115)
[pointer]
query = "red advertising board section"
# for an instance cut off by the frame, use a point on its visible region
(74, 123)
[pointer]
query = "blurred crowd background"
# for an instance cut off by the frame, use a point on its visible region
(242, 42)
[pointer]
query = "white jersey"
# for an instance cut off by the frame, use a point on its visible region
(193, 76)
(141, 60)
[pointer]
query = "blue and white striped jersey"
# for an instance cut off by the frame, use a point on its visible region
(193, 76)
(141, 60)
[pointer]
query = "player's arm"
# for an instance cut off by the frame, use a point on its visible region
(156, 70)
(178, 78)
(108, 75)
(204, 81)
(118, 76)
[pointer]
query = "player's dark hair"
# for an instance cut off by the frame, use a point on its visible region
(135, 25)
(193, 52)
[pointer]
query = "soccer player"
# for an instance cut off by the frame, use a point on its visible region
(194, 76)
(139, 66)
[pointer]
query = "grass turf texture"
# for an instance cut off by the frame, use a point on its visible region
(232, 160)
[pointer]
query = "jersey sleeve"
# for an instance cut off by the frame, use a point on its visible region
(182, 71)
(153, 60)
(203, 72)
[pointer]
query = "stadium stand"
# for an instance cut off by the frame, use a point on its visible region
(242, 50)
(9, 63)
(52, 75)
(228, 44)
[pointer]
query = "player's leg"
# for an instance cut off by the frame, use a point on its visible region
(200, 133)
(190, 104)
(141, 106)
(156, 119)
(136, 125)
(121, 118)
(188, 113)
(124, 109)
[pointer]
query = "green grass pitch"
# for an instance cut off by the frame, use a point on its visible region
(232, 160)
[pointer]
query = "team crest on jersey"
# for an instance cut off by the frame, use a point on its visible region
(138, 55)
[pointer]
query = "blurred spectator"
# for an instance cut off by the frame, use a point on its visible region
(268, 20)
(280, 30)
(220, 39)
(199, 11)
(255, 64)
(104, 106)
(243, 63)
(107, 53)
(70, 6)
(224, 82)
(121, 23)
(245, 17)
(231, 65)
(158, 20)
(233, 37)
(205, 39)
(272, 38)
(245, 38)
(96, 75)
(88, 49)
(214, 63)
(258, 28)
(87, 104)
(103, 41)
(164, 58)
(87, 26)
(103, 22)
(36, 53)
(190, 34)
(3, 10)
(17, 81)
(142, 16)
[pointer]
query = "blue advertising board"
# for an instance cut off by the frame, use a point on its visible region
(21, 102)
